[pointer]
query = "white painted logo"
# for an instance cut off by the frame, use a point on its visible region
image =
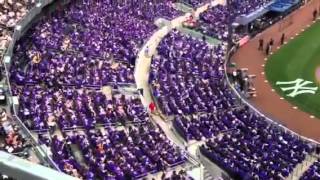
(298, 86)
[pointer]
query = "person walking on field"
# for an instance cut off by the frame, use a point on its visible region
(315, 13)
(267, 49)
(283, 36)
(260, 45)
(271, 44)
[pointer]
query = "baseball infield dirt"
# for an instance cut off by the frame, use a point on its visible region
(268, 101)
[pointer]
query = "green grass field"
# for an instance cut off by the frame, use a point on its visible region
(298, 59)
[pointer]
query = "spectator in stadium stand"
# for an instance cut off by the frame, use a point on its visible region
(163, 176)
(260, 45)
(51, 124)
(283, 36)
(5, 38)
(3, 115)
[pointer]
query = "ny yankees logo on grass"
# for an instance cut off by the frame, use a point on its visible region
(298, 86)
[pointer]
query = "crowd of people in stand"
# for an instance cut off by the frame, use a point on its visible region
(42, 108)
(215, 21)
(95, 43)
(88, 43)
(181, 175)
(205, 126)
(11, 12)
(11, 137)
(59, 69)
(115, 153)
(5, 38)
(313, 172)
(256, 149)
(186, 76)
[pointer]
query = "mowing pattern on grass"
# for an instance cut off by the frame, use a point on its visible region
(300, 58)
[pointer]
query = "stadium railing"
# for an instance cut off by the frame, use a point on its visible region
(19, 168)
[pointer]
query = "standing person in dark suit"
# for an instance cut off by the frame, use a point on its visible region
(315, 13)
(283, 36)
(317, 150)
(204, 38)
(260, 45)
(141, 91)
(271, 43)
(267, 49)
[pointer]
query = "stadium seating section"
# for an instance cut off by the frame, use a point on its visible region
(214, 22)
(187, 74)
(72, 108)
(188, 82)
(87, 44)
(64, 60)
(59, 65)
(116, 154)
(11, 12)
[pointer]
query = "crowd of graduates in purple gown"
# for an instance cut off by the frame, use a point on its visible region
(214, 22)
(61, 61)
(56, 70)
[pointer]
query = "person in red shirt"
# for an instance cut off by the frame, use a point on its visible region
(152, 107)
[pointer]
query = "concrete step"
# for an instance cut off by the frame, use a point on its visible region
(207, 175)
(302, 167)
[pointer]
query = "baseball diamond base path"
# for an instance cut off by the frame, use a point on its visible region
(268, 101)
